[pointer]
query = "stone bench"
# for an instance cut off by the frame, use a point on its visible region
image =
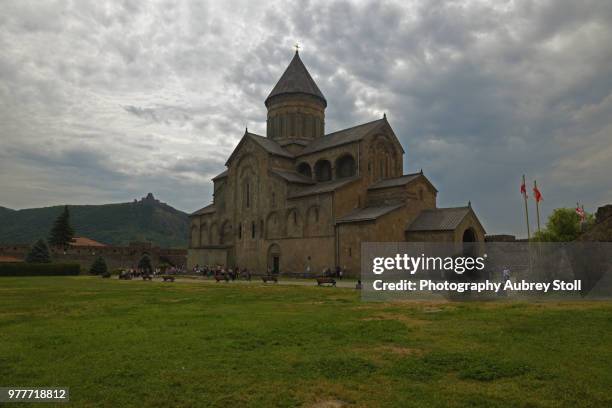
(269, 278)
(324, 280)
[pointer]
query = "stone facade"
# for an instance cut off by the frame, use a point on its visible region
(601, 231)
(301, 199)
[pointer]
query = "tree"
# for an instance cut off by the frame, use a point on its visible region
(39, 253)
(62, 233)
(145, 264)
(98, 267)
(563, 225)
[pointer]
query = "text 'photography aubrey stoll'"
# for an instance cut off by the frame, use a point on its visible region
(482, 271)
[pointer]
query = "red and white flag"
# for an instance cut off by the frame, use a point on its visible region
(580, 212)
(524, 189)
(536, 194)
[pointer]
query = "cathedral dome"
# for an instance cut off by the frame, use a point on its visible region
(296, 80)
(296, 106)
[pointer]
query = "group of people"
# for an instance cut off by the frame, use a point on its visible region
(222, 271)
(337, 272)
(171, 270)
(138, 272)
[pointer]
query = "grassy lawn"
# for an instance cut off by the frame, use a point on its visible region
(135, 343)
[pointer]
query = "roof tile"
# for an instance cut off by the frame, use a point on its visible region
(439, 219)
(321, 188)
(296, 79)
(368, 213)
(292, 176)
(341, 137)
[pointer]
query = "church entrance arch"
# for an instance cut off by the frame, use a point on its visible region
(469, 235)
(274, 254)
(469, 242)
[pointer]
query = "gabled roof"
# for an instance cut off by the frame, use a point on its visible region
(6, 258)
(268, 145)
(220, 175)
(209, 209)
(296, 79)
(400, 181)
(84, 241)
(368, 213)
(320, 188)
(439, 219)
(394, 182)
(301, 142)
(292, 176)
(350, 135)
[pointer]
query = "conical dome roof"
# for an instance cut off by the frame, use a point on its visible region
(296, 79)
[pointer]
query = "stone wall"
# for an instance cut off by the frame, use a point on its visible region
(115, 256)
(601, 231)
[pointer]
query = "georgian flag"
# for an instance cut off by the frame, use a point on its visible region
(537, 195)
(524, 190)
(580, 213)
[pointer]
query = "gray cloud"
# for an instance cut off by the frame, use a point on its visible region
(107, 101)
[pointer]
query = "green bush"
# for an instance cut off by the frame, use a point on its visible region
(98, 267)
(38, 269)
(145, 264)
(39, 253)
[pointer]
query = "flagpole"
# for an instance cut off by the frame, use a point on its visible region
(535, 187)
(526, 210)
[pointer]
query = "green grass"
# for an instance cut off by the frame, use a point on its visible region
(134, 343)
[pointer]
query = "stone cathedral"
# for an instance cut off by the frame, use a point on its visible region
(299, 198)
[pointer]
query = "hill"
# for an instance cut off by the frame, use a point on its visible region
(113, 224)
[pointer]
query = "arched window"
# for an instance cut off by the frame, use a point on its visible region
(194, 236)
(225, 233)
(293, 223)
(323, 170)
(248, 195)
(386, 167)
(203, 234)
(345, 166)
(304, 169)
(273, 229)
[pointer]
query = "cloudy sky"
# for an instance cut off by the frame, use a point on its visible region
(105, 101)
